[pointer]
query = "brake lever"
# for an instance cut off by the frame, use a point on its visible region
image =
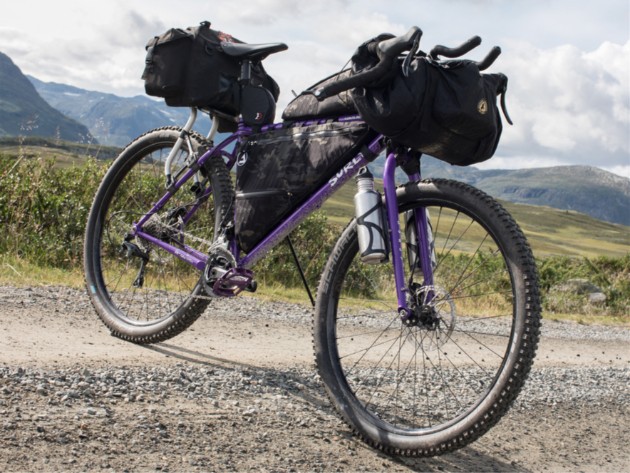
(407, 62)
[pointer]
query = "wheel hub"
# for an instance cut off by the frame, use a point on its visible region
(433, 310)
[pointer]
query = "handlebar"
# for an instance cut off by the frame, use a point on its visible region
(389, 49)
(464, 48)
(460, 50)
(489, 59)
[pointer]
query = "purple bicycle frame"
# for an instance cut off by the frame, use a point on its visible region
(343, 175)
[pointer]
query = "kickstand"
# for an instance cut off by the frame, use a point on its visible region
(299, 267)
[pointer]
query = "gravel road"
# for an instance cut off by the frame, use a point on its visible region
(238, 392)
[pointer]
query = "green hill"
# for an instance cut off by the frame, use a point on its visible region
(585, 189)
(550, 231)
(64, 152)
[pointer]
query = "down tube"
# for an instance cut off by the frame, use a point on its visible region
(312, 204)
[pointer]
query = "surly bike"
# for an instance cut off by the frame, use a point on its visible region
(420, 354)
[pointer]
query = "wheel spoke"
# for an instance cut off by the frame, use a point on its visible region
(159, 305)
(427, 373)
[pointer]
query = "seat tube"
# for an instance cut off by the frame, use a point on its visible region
(391, 204)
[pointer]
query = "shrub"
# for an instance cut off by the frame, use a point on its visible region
(43, 209)
(611, 275)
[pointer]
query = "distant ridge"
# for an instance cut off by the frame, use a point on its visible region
(586, 189)
(114, 120)
(23, 112)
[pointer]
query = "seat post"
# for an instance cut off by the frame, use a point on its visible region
(246, 71)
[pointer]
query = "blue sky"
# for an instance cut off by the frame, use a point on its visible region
(568, 61)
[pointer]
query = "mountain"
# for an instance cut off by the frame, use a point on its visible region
(112, 119)
(585, 189)
(589, 190)
(115, 120)
(23, 112)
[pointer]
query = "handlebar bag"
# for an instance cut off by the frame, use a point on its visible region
(278, 170)
(305, 106)
(188, 68)
(445, 109)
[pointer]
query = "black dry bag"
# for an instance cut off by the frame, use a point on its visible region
(445, 109)
(188, 68)
(279, 169)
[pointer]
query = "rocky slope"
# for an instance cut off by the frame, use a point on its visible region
(23, 112)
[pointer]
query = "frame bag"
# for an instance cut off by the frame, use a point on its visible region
(188, 68)
(277, 170)
(445, 109)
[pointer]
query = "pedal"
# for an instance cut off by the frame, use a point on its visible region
(233, 282)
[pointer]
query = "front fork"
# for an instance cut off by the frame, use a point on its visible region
(420, 220)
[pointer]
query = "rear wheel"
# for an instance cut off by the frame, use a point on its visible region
(141, 292)
(443, 378)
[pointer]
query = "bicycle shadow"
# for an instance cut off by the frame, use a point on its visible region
(310, 390)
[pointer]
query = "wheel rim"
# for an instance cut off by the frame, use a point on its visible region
(168, 283)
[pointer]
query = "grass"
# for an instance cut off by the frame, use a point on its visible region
(15, 271)
(20, 273)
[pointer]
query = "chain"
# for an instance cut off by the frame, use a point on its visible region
(157, 224)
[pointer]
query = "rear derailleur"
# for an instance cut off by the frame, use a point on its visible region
(134, 251)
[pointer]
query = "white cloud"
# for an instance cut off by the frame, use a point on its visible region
(568, 104)
(619, 170)
(525, 161)
(568, 67)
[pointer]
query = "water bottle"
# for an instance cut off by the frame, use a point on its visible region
(370, 224)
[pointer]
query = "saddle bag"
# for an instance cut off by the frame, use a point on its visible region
(188, 68)
(445, 109)
(279, 169)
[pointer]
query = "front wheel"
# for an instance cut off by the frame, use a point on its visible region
(441, 379)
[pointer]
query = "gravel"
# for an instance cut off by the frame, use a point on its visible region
(186, 416)
(83, 386)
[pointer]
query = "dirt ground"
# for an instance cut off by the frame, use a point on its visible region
(257, 403)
